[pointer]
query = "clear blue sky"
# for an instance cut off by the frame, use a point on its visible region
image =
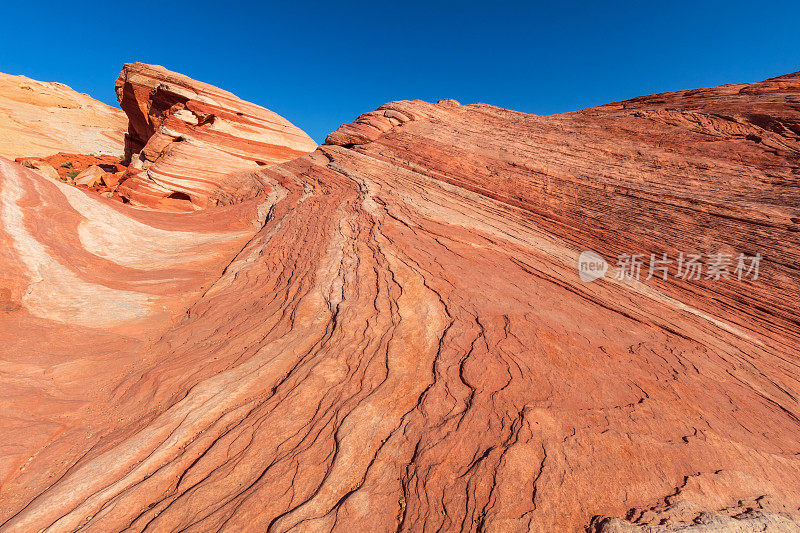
(321, 64)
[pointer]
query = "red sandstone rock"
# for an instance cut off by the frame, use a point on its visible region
(193, 141)
(370, 126)
(392, 335)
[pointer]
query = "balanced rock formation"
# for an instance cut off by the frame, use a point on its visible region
(393, 334)
(189, 140)
(39, 119)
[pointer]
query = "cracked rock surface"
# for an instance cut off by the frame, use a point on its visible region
(392, 334)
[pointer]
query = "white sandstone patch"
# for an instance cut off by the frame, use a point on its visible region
(56, 292)
(109, 234)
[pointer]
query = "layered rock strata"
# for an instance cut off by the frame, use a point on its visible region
(191, 141)
(392, 334)
(39, 119)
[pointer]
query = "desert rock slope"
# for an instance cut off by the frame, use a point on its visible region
(390, 333)
(39, 119)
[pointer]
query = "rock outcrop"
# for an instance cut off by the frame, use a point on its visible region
(72, 168)
(40, 167)
(39, 119)
(737, 519)
(190, 140)
(392, 334)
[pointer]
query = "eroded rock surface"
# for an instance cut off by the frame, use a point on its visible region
(190, 140)
(39, 119)
(393, 336)
(684, 517)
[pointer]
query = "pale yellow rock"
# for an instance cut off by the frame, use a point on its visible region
(39, 119)
(48, 171)
(41, 168)
(90, 177)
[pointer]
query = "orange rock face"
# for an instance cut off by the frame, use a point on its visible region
(392, 333)
(104, 172)
(39, 119)
(195, 142)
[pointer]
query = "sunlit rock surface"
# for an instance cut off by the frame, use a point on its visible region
(392, 334)
(191, 141)
(39, 119)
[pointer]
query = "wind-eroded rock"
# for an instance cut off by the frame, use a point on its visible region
(393, 336)
(192, 141)
(39, 119)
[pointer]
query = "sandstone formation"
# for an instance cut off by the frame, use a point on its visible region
(390, 333)
(101, 173)
(38, 119)
(191, 141)
(40, 167)
(91, 176)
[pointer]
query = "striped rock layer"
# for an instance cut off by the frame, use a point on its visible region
(39, 119)
(191, 144)
(392, 335)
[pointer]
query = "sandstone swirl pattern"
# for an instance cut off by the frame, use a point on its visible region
(39, 119)
(391, 334)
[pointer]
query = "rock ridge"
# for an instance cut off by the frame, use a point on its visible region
(191, 141)
(39, 119)
(370, 126)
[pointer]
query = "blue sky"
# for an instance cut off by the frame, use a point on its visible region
(321, 64)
